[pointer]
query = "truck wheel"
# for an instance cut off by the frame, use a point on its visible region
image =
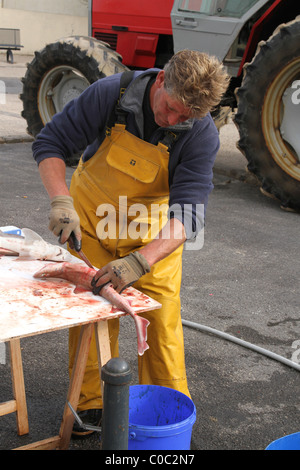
(60, 72)
(268, 115)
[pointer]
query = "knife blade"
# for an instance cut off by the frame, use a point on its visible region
(85, 259)
(75, 244)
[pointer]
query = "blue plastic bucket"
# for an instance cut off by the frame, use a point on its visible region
(290, 442)
(160, 418)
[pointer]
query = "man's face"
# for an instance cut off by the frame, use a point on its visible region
(167, 111)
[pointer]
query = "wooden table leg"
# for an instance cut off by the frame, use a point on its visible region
(103, 346)
(104, 354)
(75, 385)
(18, 405)
(62, 441)
(19, 387)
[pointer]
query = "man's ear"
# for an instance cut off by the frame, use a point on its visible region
(160, 78)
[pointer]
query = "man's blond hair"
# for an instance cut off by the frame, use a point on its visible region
(197, 80)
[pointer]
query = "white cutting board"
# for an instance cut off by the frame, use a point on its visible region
(30, 306)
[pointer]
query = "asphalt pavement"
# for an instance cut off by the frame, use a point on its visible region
(244, 282)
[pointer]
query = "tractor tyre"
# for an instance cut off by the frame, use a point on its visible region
(61, 72)
(268, 115)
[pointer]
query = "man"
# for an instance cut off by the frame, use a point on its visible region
(154, 150)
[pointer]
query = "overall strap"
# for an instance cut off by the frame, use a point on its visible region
(169, 139)
(118, 115)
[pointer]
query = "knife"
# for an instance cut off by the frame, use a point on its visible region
(77, 247)
(75, 244)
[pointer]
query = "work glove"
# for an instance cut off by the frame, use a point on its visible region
(121, 273)
(63, 219)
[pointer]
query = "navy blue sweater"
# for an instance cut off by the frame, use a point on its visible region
(80, 128)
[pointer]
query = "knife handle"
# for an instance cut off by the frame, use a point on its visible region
(75, 244)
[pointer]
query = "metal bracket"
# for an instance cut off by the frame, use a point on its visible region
(87, 427)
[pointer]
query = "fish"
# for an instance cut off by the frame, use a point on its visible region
(31, 245)
(10, 244)
(82, 275)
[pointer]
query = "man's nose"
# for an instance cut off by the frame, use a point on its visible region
(173, 119)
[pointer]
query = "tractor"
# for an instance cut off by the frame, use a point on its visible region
(257, 41)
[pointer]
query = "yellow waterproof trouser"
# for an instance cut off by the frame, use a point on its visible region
(121, 197)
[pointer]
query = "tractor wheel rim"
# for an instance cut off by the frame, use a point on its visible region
(58, 87)
(281, 111)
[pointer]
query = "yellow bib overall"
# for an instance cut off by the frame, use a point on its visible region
(121, 197)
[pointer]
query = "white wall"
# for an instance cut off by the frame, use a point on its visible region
(63, 7)
(44, 21)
